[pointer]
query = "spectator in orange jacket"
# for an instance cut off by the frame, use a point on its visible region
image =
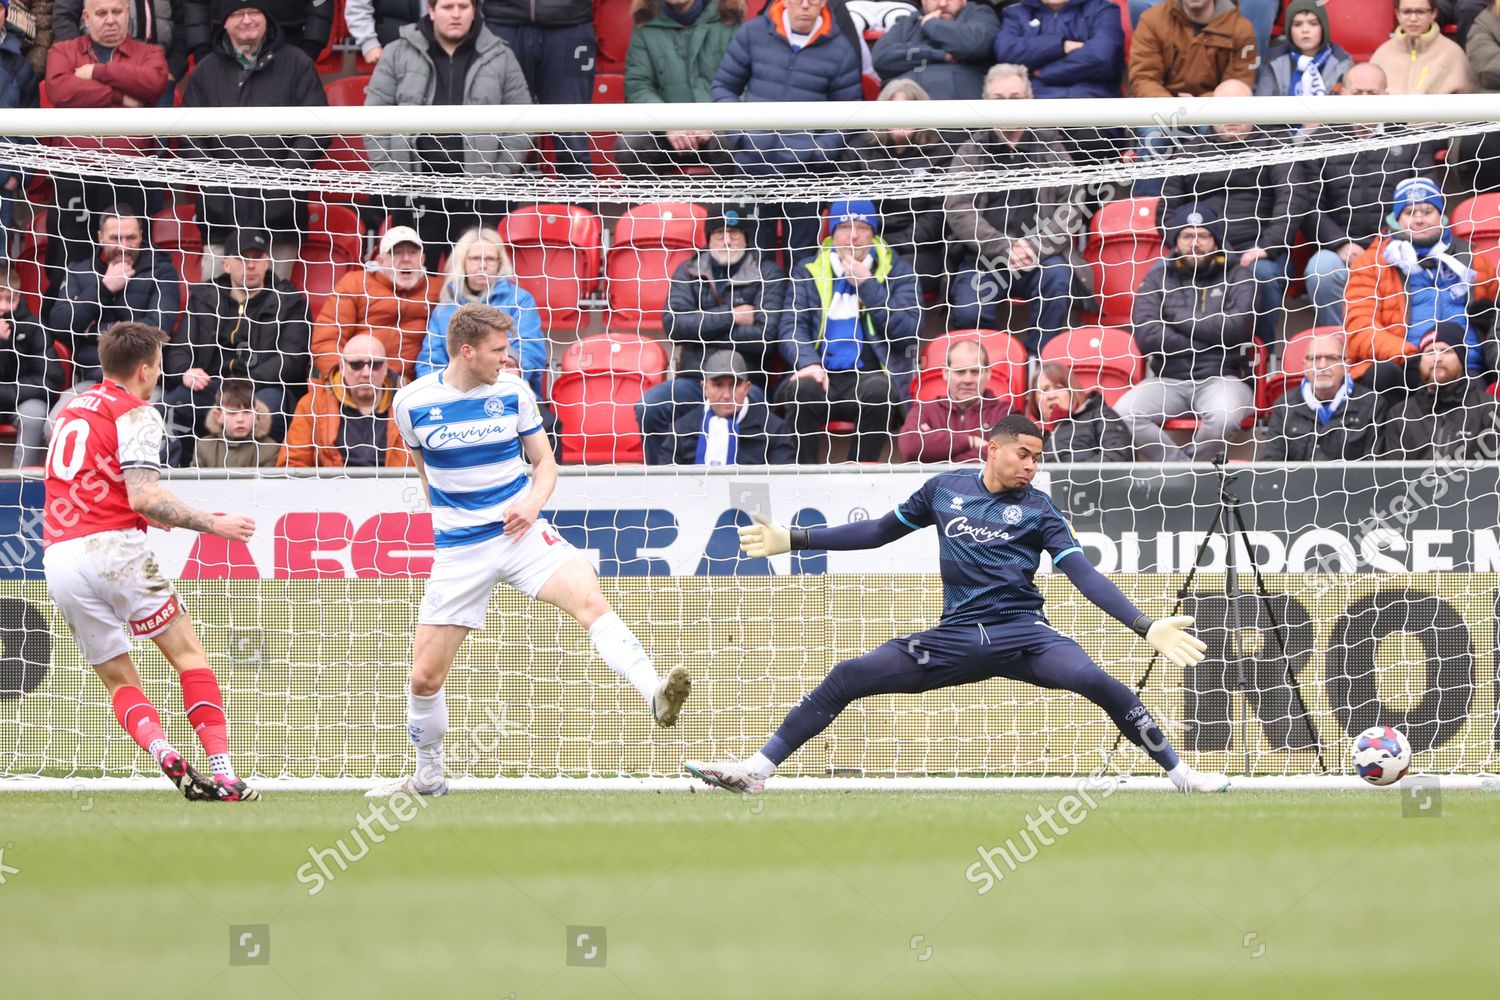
(346, 420)
(956, 427)
(391, 300)
(1417, 276)
(102, 68)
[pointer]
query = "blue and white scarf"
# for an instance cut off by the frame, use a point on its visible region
(1307, 73)
(719, 437)
(1327, 411)
(841, 333)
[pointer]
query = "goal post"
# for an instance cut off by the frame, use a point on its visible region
(1381, 579)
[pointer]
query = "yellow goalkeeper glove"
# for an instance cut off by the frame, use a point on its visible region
(765, 538)
(1172, 639)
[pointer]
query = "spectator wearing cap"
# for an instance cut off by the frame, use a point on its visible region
(1080, 425)
(674, 53)
(728, 296)
(1418, 58)
(479, 270)
(956, 426)
(849, 334)
(1330, 417)
(946, 48)
(1307, 62)
(304, 25)
(1448, 416)
(447, 58)
(1417, 276)
(391, 298)
(1341, 199)
(251, 65)
(245, 324)
(1015, 244)
(344, 421)
(729, 426)
(237, 431)
(1194, 320)
(1073, 48)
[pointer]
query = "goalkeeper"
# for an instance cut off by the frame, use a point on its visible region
(992, 527)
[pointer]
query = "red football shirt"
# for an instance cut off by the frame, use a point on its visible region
(98, 435)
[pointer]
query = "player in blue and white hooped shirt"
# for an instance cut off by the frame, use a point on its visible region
(993, 526)
(468, 426)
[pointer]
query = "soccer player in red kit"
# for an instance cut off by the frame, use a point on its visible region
(103, 489)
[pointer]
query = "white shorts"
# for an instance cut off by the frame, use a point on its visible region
(463, 577)
(110, 591)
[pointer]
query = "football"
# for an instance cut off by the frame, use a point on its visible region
(1381, 755)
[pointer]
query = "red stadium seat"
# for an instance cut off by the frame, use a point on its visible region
(1124, 6)
(1360, 26)
(332, 246)
(594, 396)
(613, 23)
(347, 91)
(1007, 365)
(331, 60)
(556, 251)
(648, 243)
(346, 152)
(28, 264)
(175, 231)
(1122, 244)
(1100, 357)
(1478, 221)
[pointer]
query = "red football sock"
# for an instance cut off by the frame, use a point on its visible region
(205, 710)
(138, 718)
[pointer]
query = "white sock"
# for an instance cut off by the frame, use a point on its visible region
(622, 651)
(426, 724)
(220, 764)
(159, 748)
(760, 765)
(1179, 774)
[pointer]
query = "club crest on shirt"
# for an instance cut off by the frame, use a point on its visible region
(1011, 514)
(494, 407)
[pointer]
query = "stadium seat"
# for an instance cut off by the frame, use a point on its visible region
(609, 88)
(613, 23)
(1292, 368)
(1008, 373)
(332, 246)
(556, 252)
(647, 244)
(1122, 244)
(175, 231)
(346, 152)
(1101, 357)
(28, 264)
(595, 393)
(1360, 26)
(347, 91)
(1478, 220)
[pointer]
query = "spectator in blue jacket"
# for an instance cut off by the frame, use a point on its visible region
(123, 281)
(479, 270)
(794, 51)
(849, 335)
(946, 49)
(1074, 48)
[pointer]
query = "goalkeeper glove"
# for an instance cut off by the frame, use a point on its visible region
(1171, 638)
(767, 538)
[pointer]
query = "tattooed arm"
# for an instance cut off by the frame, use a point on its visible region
(156, 504)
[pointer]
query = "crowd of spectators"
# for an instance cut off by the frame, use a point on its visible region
(796, 319)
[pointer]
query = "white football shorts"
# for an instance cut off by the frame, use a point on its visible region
(463, 577)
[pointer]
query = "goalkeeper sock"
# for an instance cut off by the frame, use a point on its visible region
(619, 647)
(760, 765)
(205, 710)
(137, 716)
(426, 724)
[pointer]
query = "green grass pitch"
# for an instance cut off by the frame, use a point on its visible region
(794, 894)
